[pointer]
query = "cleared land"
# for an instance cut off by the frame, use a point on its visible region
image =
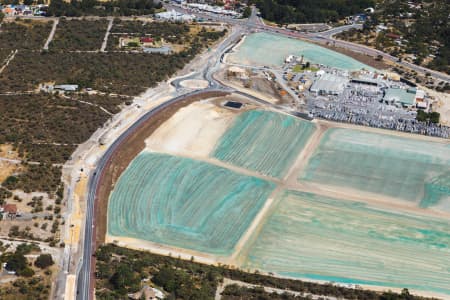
(194, 129)
(264, 141)
(379, 235)
(184, 203)
(174, 33)
(265, 49)
(406, 169)
(329, 239)
(127, 151)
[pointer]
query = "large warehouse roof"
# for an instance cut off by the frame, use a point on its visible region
(400, 95)
(329, 84)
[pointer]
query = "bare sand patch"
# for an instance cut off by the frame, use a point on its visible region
(443, 106)
(143, 245)
(194, 84)
(7, 169)
(6, 151)
(194, 129)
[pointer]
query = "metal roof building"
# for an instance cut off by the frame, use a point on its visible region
(329, 84)
(406, 98)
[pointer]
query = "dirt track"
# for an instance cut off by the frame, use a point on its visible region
(126, 152)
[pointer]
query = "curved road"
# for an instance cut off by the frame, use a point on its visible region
(255, 23)
(85, 274)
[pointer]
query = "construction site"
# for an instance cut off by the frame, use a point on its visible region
(333, 87)
(247, 177)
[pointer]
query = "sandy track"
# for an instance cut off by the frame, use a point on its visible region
(306, 153)
(390, 203)
(138, 244)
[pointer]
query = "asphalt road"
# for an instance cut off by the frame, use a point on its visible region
(85, 275)
(255, 23)
(84, 291)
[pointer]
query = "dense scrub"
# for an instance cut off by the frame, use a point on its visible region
(121, 73)
(294, 11)
(24, 34)
(109, 72)
(171, 32)
(43, 177)
(46, 128)
(119, 271)
(30, 285)
(76, 34)
(34, 121)
(102, 8)
(4, 53)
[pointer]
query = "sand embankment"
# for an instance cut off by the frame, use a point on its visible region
(194, 129)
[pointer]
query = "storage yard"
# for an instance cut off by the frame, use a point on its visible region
(310, 205)
(332, 86)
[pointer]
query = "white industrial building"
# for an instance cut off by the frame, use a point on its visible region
(329, 84)
(174, 16)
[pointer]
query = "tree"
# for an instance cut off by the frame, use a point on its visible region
(123, 277)
(16, 262)
(247, 12)
(44, 261)
(421, 116)
(434, 117)
(2, 15)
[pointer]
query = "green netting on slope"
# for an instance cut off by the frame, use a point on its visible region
(377, 163)
(309, 236)
(264, 141)
(184, 203)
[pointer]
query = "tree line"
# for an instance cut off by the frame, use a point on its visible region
(306, 11)
(120, 271)
(76, 8)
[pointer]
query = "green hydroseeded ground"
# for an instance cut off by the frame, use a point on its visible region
(309, 236)
(184, 203)
(264, 141)
(408, 169)
(268, 49)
